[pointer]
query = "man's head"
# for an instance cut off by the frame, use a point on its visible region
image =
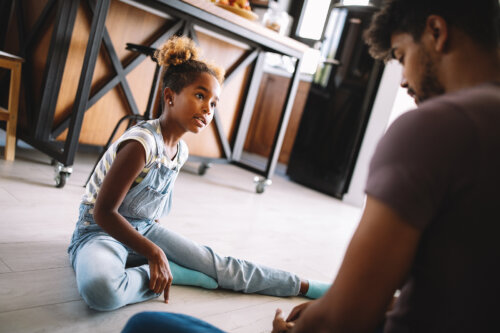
(417, 33)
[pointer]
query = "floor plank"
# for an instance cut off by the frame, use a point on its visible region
(4, 268)
(288, 227)
(35, 288)
(29, 256)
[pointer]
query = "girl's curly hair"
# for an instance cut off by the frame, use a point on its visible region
(179, 57)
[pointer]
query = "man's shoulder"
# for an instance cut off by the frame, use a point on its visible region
(434, 126)
(482, 96)
(432, 116)
(454, 109)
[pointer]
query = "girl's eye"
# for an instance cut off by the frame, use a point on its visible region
(213, 105)
(200, 95)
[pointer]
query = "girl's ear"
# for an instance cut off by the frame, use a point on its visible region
(168, 96)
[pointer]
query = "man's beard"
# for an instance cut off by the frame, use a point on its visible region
(429, 84)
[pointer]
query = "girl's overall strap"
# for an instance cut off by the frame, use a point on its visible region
(158, 138)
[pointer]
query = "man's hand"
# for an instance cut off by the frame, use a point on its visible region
(381, 251)
(161, 277)
(296, 311)
(279, 323)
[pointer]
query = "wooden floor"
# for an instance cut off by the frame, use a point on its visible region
(288, 227)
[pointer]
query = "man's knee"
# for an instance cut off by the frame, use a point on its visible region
(140, 321)
(167, 322)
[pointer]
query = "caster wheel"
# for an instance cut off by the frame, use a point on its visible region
(61, 179)
(202, 169)
(61, 174)
(262, 183)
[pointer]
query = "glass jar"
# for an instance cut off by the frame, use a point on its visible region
(276, 19)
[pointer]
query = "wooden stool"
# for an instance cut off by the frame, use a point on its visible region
(13, 63)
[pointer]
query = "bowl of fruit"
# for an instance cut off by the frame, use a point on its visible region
(239, 7)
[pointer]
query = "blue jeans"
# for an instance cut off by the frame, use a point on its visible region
(106, 283)
(164, 322)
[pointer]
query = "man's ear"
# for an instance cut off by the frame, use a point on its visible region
(437, 28)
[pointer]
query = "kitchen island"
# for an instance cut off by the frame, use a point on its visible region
(80, 80)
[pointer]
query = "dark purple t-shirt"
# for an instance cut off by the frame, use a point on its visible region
(438, 167)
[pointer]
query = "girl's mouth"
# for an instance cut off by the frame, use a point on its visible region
(200, 120)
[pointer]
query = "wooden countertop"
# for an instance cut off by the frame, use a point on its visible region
(253, 26)
(208, 15)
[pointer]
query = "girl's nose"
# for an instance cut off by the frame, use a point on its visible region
(206, 108)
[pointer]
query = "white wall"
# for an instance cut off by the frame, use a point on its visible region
(390, 102)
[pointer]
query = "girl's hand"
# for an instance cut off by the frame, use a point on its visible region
(279, 323)
(160, 276)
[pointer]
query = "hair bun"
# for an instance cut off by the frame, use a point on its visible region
(176, 51)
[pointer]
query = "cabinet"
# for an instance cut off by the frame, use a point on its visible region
(268, 106)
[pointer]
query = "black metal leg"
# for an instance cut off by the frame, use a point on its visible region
(133, 118)
(58, 51)
(241, 64)
(82, 95)
(37, 27)
(283, 122)
(117, 66)
(192, 34)
(153, 93)
(245, 60)
(116, 80)
(130, 118)
(246, 115)
(6, 7)
(120, 73)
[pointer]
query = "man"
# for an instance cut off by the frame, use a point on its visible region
(431, 223)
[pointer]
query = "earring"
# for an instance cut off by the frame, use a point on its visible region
(169, 102)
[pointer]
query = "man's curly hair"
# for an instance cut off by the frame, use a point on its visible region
(479, 19)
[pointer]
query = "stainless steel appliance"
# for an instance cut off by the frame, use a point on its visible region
(338, 105)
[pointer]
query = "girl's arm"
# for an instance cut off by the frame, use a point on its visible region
(129, 162)
(376, 263)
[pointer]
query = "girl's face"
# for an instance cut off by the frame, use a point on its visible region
(193, 107)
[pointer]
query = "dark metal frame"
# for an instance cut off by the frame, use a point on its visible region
(135, 117)
(6, 7)
(186, 17)
(259, 45)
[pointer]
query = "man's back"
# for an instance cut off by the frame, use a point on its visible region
(439, 168)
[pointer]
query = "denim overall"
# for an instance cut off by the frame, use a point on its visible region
(101, 263)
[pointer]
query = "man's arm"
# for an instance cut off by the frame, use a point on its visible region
(376, 263)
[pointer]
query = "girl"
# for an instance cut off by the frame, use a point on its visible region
(131, 188)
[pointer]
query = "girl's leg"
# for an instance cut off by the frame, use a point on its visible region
(160, 322)
(102, 279)
(229, 272)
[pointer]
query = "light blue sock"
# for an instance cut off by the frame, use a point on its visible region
(188, 277)
(317, 289)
